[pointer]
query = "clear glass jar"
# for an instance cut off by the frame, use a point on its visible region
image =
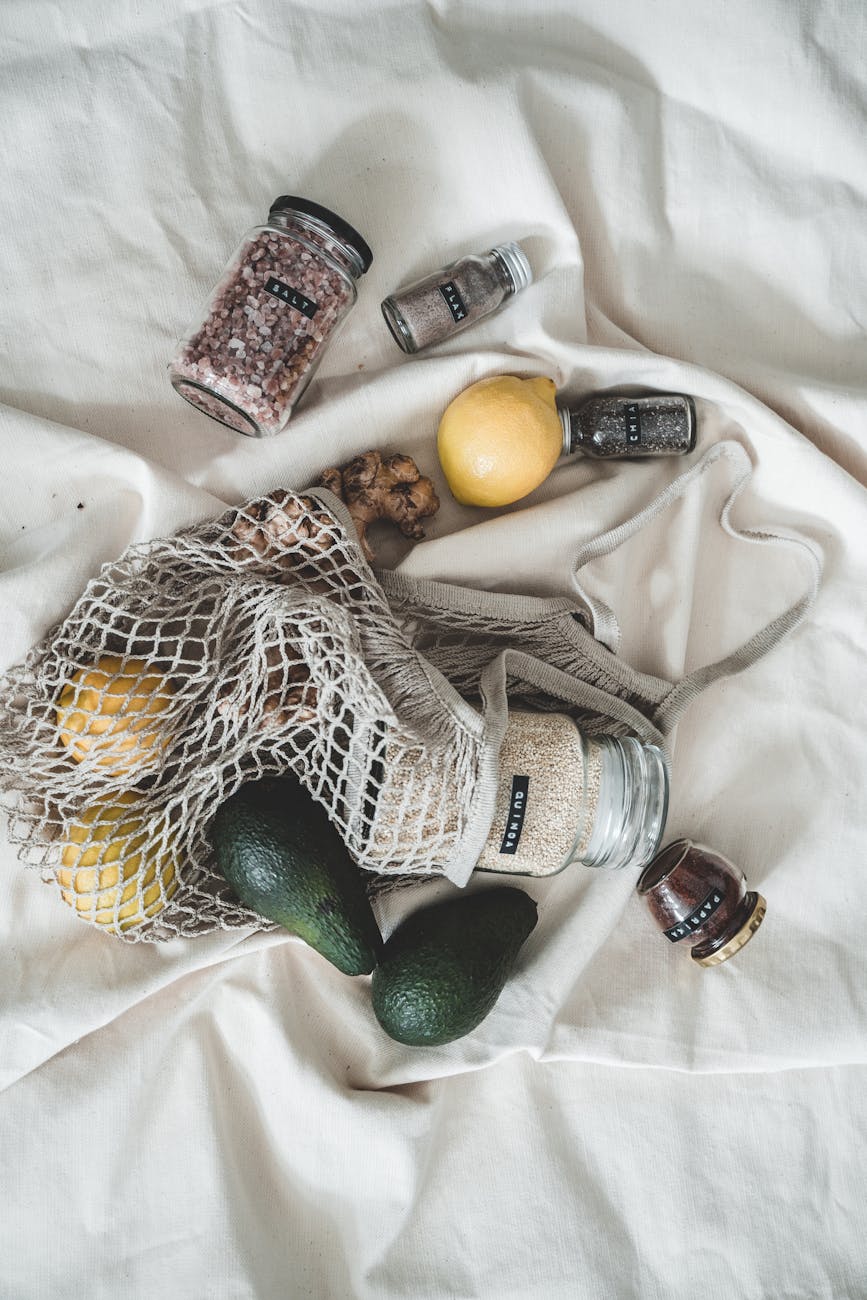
(440, 305)
(249, 358)
(565, 798)
(613, 425)
(695, 893)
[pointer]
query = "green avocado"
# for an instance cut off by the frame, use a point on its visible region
(284, 859)
(444, 967)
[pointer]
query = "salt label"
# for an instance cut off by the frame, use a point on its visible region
(287, 294)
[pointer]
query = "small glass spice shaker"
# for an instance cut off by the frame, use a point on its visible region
(694, 892)
(612, 425)
(268, 321)
(440, 305)
(563, 798)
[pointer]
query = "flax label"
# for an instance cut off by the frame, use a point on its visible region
(454, 301)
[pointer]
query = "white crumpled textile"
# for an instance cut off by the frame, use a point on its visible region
(223, 1118)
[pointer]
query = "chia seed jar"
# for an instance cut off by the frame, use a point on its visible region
(564, 798)
(266, 326)
(440, 305)
(612, 426)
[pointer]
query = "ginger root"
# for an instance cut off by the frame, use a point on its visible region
(289, 696)
(282, 523)
(391, 489)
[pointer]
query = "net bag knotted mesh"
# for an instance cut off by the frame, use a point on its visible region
(253, 645)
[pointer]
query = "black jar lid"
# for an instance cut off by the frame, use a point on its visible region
(341, 228)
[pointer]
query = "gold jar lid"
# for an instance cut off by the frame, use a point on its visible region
(737, 941)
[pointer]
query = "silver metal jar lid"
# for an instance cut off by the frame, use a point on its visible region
(517, 266)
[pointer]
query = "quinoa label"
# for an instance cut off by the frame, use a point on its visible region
(633, 422)
(293, 297)
(454, 301)
(515, 819)
(696, 919)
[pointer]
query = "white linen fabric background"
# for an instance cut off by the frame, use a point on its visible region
(224, 1118)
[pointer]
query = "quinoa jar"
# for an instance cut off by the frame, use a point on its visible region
(563, 798)
(285, 291)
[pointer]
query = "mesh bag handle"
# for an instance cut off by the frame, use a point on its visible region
(605, 626)
(458, 627)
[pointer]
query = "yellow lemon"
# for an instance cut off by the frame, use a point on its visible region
(111, 709)
(499, 439)
(111, 873)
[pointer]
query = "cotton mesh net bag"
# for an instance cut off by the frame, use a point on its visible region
(262, 644)
(255, 645)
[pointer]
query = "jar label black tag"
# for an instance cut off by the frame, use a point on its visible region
(454, 301)
(515, 819)
(633, 422)
(696, 919)
(287, 294)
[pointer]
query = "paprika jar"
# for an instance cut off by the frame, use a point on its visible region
(695, 893)
(264, 330)
(563, 798)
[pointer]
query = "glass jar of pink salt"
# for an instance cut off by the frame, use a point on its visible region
(265, 328)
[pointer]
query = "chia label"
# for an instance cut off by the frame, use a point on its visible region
(454, 301)
(515, 819)
(287, 294)
(633, 422)
(696, 919)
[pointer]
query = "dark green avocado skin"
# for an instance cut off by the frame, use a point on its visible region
(444, 967)
(284, 859)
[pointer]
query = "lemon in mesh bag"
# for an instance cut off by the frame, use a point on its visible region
(113, 709)
(113, 872)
